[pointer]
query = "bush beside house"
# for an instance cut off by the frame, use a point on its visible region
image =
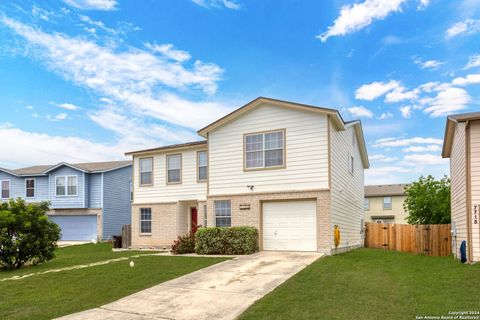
(26, 234)
(231, 240)
(184, 244)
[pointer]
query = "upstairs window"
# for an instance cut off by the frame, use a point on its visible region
(265, 150)
(202, 165)
(174, 168)
(5, 189)
(30, 188)
(350, 163)
(387, 203)
(146, 171)
(66, 185)
(366, 204)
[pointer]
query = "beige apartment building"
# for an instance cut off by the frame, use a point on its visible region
(384, 203)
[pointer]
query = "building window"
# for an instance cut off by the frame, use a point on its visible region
(264, 150)
(387, 203)
(66, 185)
(30, 188)
(223, 213)
(174, 168)
(5, 189)
(202, 163)
(366, 204)
(205, 215)
(145, 220)
(131, 191)
(146, 171)
(350, 163)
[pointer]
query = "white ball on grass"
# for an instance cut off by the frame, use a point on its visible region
(132, 264)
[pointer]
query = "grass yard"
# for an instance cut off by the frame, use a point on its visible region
(373, 284)
(46, 296)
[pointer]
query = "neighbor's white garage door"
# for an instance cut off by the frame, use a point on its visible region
(289, 225)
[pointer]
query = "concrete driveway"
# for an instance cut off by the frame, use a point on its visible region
(221, 291)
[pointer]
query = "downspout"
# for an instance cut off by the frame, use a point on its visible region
(469, 196)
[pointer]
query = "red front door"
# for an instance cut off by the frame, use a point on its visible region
(194, 219)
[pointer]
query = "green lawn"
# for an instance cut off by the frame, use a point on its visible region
(373, 284)
(55, 294)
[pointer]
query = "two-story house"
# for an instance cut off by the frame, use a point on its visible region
(89, 201)
(292, 171)
(462, 145)
(384, 203)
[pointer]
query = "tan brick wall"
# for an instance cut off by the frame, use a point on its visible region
(252, 217)
(164, 225)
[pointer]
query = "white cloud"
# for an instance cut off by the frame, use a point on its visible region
(374, 90)
(58, 117)
(405, 142)
(359, 15)
(429, 64)
(406, 111)
(400, 93)
(424, 160)
(465, 81)
(66, 106)
(382, 158)
(168, 51)
(423, 4)
(30, 107)
(229, 4)
(447, 102)
(385, 115)
(473, 61)
(429, 148)
(105, 5)
(360, 112)
(468, 26)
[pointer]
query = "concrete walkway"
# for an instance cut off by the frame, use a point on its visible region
(221, 291)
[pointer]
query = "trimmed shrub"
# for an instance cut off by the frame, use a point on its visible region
(184, 244)
(226, 240)
(26, 234)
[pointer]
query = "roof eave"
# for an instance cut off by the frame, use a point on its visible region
(448, 137)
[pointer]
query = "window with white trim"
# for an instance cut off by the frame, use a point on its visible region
(146, 171)
(202, 163)
(264, 150)
(174, 168)
(350, 163)
(30, 188)
(66, 185)
(145, 220)
(387, 203)
(366, 204)
(5, 189)
(223, 213)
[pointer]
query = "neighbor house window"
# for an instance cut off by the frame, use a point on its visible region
(202, 165)
(145, 220)
(131, 191)
(66, 185)
(174, 168)
(223, 213)
(265, 150)
(387, 203)
(30, 188)
(366, 204)
(146, 171)
(350, 164)
(5, 189)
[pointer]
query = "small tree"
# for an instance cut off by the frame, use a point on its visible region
(26, 234)
(428, 201)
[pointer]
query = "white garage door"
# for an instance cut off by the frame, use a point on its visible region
(289, 225)
(77, 227)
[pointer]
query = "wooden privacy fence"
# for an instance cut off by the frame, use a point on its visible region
(429, 239)
(126, 236)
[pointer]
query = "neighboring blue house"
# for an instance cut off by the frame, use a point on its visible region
(89, 201)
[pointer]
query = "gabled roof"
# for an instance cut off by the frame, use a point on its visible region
(337, 118)
(450, 129)
(384, 190)
(89, 167)
(172, 147)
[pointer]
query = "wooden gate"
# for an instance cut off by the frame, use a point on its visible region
(429, 239)
(126, 236)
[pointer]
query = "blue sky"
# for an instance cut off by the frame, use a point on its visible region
(87, 80)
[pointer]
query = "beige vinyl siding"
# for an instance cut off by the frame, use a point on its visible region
(458, 185)
(376, 209)
(306, 152)
(475, 183)
(347, 191)
(160, 191)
